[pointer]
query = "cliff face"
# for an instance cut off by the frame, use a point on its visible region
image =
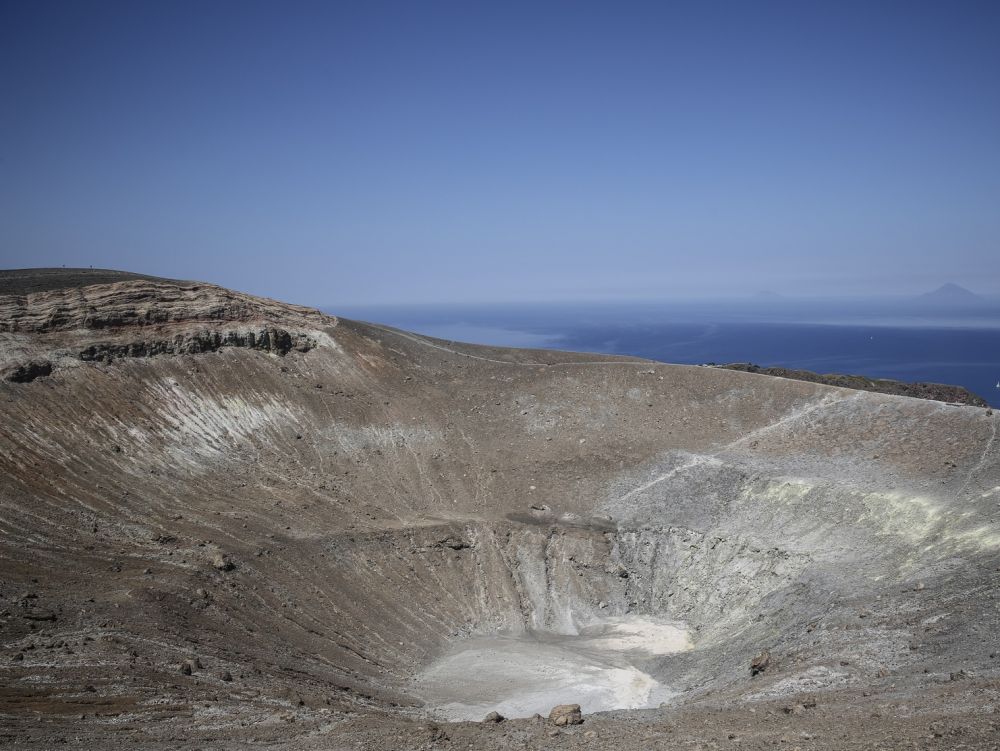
(139, 304)
(240, 521)
(43, 331)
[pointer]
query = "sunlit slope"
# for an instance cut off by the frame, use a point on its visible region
(323, 507)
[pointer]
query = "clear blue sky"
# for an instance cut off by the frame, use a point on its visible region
(341, 153)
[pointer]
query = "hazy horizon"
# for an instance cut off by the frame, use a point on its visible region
(901, 340)
(760, 300)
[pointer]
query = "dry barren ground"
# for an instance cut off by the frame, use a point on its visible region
(228, 522)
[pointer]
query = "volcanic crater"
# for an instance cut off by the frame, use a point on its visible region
(233, 521)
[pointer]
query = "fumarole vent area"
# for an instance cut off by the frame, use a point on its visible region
(229, 522)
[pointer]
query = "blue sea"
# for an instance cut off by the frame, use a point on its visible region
(875, 339)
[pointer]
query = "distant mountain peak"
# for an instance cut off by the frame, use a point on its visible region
(952, 293)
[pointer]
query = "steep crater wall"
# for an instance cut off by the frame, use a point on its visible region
(343, 524)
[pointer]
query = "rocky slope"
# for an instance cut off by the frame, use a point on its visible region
(230, 522)
(937, 391)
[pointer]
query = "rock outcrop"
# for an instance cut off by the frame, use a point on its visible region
(565, 714)
(43, 331)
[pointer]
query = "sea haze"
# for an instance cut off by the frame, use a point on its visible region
(903, 340)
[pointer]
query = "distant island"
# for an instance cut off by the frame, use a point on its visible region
(951, 294)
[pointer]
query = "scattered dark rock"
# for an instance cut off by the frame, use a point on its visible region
(452, 542)
(29, 371)
(438, 735)
(190, 666)
(226, 676)
(760, 663)
(39, 614)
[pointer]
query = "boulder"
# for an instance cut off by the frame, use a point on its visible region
(760, 663)
(566, 714)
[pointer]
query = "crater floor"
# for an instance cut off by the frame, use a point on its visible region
(520, 675)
